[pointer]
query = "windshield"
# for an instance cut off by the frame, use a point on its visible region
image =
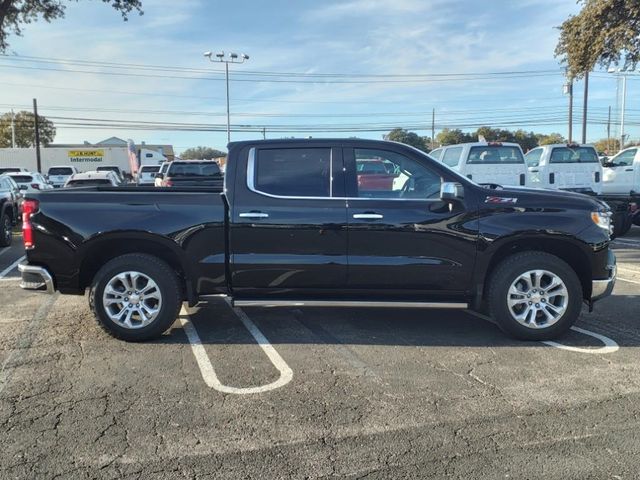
(61, 171)
(208, 169)
(495, 154)
(9, 169)
(150, 169)
(108, 169)
(22, 178)
(88, 183)
(574, 155)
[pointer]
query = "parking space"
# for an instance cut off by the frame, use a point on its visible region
(315, 393)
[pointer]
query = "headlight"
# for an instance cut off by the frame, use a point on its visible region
(603, 220)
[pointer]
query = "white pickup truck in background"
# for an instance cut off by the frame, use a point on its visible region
(565, 167)
(486, 162)
(621, 179)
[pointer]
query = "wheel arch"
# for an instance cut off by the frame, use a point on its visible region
(569, 251)
(99, 250)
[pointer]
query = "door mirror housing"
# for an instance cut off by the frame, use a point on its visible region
(450, 191)
(159, 175)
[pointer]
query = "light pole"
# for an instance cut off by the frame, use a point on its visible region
(230, 58)
(621, 73)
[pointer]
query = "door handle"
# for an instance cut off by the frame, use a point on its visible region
(628, 169)
(534, 171)
(254, 215)
(368, 216)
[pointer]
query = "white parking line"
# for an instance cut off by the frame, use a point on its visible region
(610, 345)
(628, 281)
(633, 243)
(7, 270)
(208, 372)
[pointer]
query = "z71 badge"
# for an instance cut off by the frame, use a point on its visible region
(501, 200)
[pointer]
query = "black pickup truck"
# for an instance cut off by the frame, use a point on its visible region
(293, 225)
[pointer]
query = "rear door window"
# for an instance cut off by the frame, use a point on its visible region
(293, 172)
(452, 156)
(494, 154)
(573, 155)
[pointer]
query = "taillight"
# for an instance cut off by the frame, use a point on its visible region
(35, 186)
(29, 207)
(168, 183)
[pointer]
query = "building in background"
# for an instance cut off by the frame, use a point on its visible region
(86, 156)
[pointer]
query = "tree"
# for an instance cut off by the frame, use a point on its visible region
(409, 138)
(451, 137)
(608, 146)
(550, 139)
(605, 32)
(14, 14)
(25, 130)
(201, 153)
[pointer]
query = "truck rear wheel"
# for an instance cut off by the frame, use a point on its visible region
(534, 296)
(135, 297)
(5, 230)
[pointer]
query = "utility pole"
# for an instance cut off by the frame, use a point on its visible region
(264, 133)
(624, 100)
(568, 89)
(37, 139)
(13, 129)
(584, 108)
(232, 58)
(609, 131)
(433, 129)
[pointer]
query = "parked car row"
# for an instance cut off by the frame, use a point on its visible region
(568, 167)
(11, 200)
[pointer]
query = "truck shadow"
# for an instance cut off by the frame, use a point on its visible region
(216, 323)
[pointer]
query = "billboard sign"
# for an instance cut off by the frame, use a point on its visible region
(84, 156)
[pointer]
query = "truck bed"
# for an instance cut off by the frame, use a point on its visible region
(76, 227)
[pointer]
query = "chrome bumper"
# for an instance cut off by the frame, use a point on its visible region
(35, 278)
(603, 288)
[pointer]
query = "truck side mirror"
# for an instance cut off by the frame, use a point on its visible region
(450, 191)
(159, 175)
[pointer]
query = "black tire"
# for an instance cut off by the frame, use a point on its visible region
(506, 274)
(157, 270)
(5, 230)
(625, 229)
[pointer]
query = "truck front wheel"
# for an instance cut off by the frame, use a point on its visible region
(135, 297)
(534, 296)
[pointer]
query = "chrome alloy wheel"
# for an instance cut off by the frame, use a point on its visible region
(7, 229)
(537, 299)
(132, 300)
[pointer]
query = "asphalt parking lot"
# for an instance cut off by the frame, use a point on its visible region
(310, 393)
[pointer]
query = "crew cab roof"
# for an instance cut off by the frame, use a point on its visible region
(302, 141)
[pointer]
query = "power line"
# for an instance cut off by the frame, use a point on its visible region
(270, 80)
(35, 59)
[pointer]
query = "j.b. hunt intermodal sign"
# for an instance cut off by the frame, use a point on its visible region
(82, 156)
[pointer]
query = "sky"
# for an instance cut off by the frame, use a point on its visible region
(352, 65)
